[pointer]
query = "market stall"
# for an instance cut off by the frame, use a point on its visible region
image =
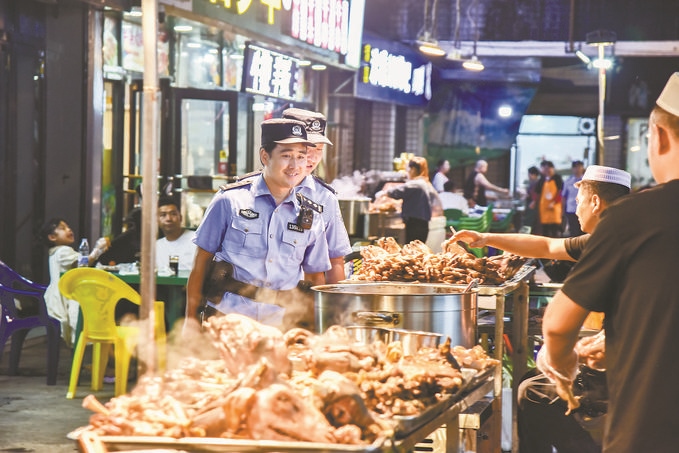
(298, 391)
(416, 266)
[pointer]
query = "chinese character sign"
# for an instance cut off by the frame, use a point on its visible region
(270, 73)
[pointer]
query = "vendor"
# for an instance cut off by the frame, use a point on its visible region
(420, 200)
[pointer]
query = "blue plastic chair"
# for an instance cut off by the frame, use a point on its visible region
(16, 325)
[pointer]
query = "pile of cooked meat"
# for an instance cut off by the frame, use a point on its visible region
(415, 262)
(296, 386)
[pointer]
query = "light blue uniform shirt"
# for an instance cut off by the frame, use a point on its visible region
(569, 192)
(243, 226)
(335, 232)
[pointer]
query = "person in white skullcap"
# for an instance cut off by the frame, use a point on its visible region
(542, 422)
(628, 272)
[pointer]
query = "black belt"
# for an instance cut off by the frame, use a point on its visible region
(219, 280)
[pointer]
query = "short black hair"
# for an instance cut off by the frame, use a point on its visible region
(607, 191)
(448, 186)
(167, 200)
(547, 163)
(48, 228)
(576, 163)
(533, 170)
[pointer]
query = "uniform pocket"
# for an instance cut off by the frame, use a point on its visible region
(294, 244)
(245, 237)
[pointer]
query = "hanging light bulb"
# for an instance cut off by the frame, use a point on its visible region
(473, 64)
(426, 43)
(429, 46)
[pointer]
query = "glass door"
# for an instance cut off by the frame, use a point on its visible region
(112, 157)
(204, 149)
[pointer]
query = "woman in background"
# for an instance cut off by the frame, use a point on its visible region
(420, 200)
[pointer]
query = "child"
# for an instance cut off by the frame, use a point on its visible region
(59, 237)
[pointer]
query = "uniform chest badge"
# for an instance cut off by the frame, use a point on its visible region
(248, 214)
(294, 227)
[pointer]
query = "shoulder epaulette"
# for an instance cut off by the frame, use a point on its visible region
(325, 184)
(252, 174)
(309, 203)
(235, 185)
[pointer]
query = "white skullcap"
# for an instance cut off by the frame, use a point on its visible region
(608, 174)
(669, 98)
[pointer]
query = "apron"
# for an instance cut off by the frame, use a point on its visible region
(549, 194)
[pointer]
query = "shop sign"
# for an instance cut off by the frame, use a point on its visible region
(270, 73)
(321, 23)
(330, 26)
(391, 72)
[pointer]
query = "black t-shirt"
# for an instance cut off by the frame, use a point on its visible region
(629, 271)
(575, 245)
(415, 199)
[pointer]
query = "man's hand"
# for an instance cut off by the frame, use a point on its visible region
(473, 238)
(563, 379)
(592, 351)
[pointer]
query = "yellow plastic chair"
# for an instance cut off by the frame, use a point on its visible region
(98, 292)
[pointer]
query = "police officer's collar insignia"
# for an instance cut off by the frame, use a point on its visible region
(252, 174)
(248, 214)
(235, 185)
(316, 126)
(297, 130)
(308, 203)
(294, 227)
(325, 184)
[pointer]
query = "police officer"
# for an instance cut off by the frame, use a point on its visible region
(269, 234)
(316, 189)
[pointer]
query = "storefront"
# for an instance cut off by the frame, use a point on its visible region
(223, 67)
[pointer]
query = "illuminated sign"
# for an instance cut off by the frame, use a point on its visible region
(393, 73)
(332, 26)
(242, 6)
(270, 73)
(321, 23)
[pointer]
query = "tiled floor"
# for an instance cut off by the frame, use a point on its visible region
(35, 417)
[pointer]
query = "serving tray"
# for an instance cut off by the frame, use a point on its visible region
(216, 445)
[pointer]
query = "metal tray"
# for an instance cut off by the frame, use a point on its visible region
(478, 378)
(405, 425)
(215, 445)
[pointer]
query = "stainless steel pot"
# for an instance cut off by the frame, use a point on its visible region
(352, 213)
(427, 307)
(414, 340)
(369, 334)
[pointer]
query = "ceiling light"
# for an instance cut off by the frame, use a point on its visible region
(602, 63)
(584, 58)
(473, 64)
(430, 48)
(304, 63)
(505, 111)
(318, 67)
(135, 11)
(182, 28)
